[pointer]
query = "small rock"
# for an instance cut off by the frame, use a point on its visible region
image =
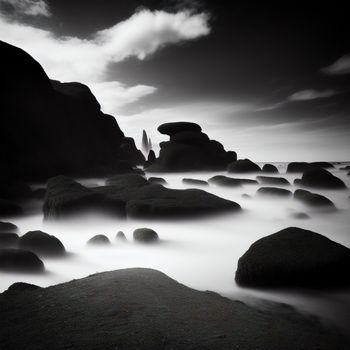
(145, 235)
(99, 240)
(274, 191)
(269, 169)
(120, 236)
(189, 181)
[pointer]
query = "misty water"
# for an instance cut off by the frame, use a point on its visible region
(201, 253)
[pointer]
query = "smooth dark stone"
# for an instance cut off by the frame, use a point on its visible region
(145, 235)
(19, 260)
(176, 127)
(269, 169)
(320, 178)
(197, 182)
(313, 199)
(274, 192)
(243, 166)
(297, 167)
(99, 240)
(270, 180)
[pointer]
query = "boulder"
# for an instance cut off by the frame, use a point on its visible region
(274, 192)
(19, 260)
(8, 227)
(313, 199)
(120, 236)
(345, 168)
(42, 244)
(325, 165)
(320, 178)
(222, 180)
(99, 240)
(9, 208)
(243, 166)
(157, 180)
(270, 180)
(145, 235)
(65, 198)
(196, 182)
(269, 169)
(19, 287)
(297, 167)
(8, 239)
(294, 257)
(176, 127)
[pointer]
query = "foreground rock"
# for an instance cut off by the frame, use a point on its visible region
(320, 178)
(42, 243)
(99, 240)
(313, 199)
(270, 180)
(243, 166)
(103, 311)
(294, 257)
(189, 149)
(273, 192)
(19, 260)
(269, 169)
(145, 235)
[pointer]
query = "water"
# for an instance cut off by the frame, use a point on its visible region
(201, 254)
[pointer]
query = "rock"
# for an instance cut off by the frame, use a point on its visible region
(37, 111)
(120, 236)
(270, 180)
(65, 198)
(9, 208)
(294, 257)
(345, 168)
(222, 180)
(243, 166)
(124, 167)
(157, 180)
(313, 199)
(150, 159)
(145, 235)
(173, 128)
(320, 178)
(20, 287)
(189, 150)
(246, 196)
(300, 215)
(146, 200)
(297, 167)
(325, 165)
(8, 239)
(99, 240)
(42, 243)
(20, 261)
(102, 311)
(274, 191)
(269, 169)
(196, 182)
(14, 190)
(8, 227)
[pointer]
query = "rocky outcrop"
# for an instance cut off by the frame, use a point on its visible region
(189, 149)
(319, 178)
(42, 244)
(243, 166)
(294, 257)
(49, 128)
(102, 311)
(120, 236)
(157, 180)
(145, 235)
(19, 260)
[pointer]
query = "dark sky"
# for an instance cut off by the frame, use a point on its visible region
(257, 54)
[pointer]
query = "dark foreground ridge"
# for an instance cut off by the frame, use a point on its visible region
(145, 309)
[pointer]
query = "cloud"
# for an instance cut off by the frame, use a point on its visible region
(339, 67)
(27, 7)
(306, 95)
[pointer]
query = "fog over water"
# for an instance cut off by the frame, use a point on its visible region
(202, 253)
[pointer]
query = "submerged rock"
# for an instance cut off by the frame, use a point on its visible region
(313, 199)
(270, 180)
(222, 180)
(320, 178)
(269, 169)
(19, 260)
(274, 192)
(294, 257)
(99, 240)
(42, 243)
(145, 235)
(197, 182)
(243, 166)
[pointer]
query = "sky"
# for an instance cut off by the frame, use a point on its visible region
(268, 79)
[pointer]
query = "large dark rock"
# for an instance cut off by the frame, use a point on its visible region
(176, 127)
(297, 167)
(320, 178)
(294, 257)
(42, 243)
(269, 169)
(313, 199)
(99, 240)
(8, 227)
(270, 180)
(49, 128)
(274, 192)
(9, 208)
(144, 309)
(65, 197)
(145, 235)
(9, 239)
(19, 260)
(189, 150)
(243, 166)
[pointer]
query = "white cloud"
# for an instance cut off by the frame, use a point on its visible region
(28, 7)
(339, 67)
(85, 60)
(306, 95)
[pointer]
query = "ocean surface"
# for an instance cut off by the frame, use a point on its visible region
(201, 253)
